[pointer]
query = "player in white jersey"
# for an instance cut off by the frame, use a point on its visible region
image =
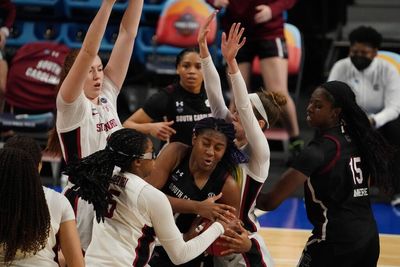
(62, 223)
(87, 98)
(62, 230)
(254, 113)
(129, 211)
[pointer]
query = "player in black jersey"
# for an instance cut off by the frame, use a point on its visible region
(171, 114)
(336, 168)
(198, 173)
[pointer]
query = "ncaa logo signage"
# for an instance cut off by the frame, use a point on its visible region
(186, 24)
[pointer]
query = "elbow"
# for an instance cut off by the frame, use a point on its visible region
(177, 259)
(128, 35)
(87, 51)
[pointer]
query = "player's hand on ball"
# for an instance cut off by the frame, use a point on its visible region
(234, 240)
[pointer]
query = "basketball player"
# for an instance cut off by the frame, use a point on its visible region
(86, 102)
(195, 174)
(62, 232)
(131, 213)
(254, 113)
(336, 168)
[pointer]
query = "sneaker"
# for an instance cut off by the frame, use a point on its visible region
(295, 148)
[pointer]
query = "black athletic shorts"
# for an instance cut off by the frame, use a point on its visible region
(262, 49)
(324, 254)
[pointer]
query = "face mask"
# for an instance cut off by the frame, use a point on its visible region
(360, 62)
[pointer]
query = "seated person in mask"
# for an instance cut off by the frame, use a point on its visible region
(376, 84)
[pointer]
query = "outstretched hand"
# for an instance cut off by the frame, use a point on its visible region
(162, 130)
(231, 44)
(213, 211)
(205, 28)
(235, 240)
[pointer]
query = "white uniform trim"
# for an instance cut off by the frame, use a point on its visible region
(279, 46)
(324, 208)
(95, 123)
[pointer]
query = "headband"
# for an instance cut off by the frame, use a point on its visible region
(256, 101)
(148, 155)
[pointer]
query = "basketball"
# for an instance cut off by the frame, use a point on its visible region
(217, 247)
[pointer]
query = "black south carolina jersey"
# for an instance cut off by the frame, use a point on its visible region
(181, 184)
(336, 192)
(184, 108)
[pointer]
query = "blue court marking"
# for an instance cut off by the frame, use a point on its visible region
(292, 214)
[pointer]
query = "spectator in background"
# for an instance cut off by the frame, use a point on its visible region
(3, 78)
(264, 24)
(7, 17)
(376, 84)
(33, 78)
(87, 98)
(171, 114)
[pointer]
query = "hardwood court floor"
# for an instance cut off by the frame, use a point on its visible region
(286, 246)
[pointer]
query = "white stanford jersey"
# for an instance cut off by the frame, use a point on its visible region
(60, 212)
(138, 213)
(83, 127)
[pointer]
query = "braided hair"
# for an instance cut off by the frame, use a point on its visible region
(233, 155)
(91, 175)
(24, 215)
(26, 144)
(375, 152)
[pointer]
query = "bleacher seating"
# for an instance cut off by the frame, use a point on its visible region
(39, 9)
(177, 28)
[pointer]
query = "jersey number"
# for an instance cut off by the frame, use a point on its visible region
(356, 170)
(113, 203)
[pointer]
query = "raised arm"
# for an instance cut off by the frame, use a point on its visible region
(121, 54)
(212, 82)
(73, 84)
(259, 148)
